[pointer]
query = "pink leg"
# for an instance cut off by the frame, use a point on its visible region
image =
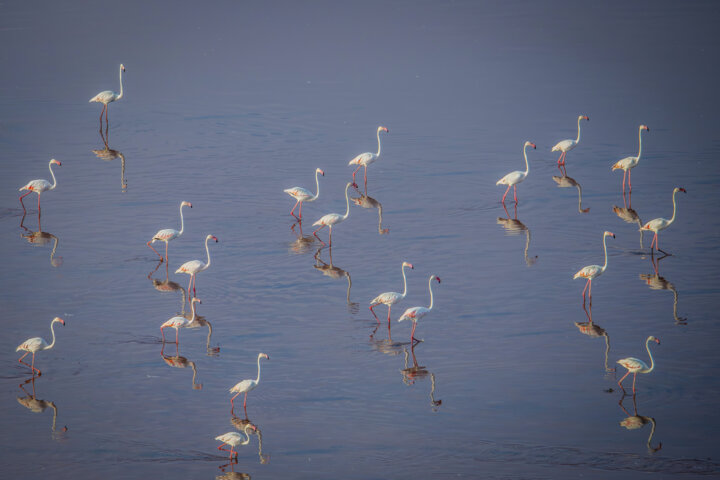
(245, 401)
(634, 377)
(515, 192)
(623, 378)
(624, 173)
(629, 180)
(330, 242)
(101, 114)
(412, 333)
(389, 308)
(166, 252)
(177, 332)
(294, 207)
(301, 204)
(315, 233)
(38, 204)
(356, 170)
(373, 311)
(23, 196)
(162, 332)
(189, 285)
(365, 177)
(585, 289)
(153, 249)
(506, 192)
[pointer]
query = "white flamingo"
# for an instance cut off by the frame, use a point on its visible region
(168, 234)
(391, 298)
(108, 96)
(628, 163)
(235, 439)
(593, 271)
(416, 313)
(333, 218)
(179, 321)
(565, 146)
(247, 385)
(40, 185)
(659, 224)
(513, 178)
(365, 159)
(193, 267)
(34, 345)
(635, 365)
(304, 195)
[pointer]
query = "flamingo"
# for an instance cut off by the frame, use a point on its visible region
(304, 195)
(333, 218)
(40, 185)
(178, 361)
(513, 178)
(247, 385)
(565, 146)
(179, 322)
(365, 159)
(108, 96)
(416, 313)
(662, 223)
(565, 182)
(635, 365)
(593, 271)
(167, 234)
(193, 267)
(628, 163)
(34, 345)
(391, 298)
(234, 439)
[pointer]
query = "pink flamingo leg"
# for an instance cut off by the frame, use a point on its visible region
(412, 332)
(153, 249)
(634, 377)
(330, 242)
(177, 332)
(301, 204)
(166, 252)
(623, 185)
(629, 180)
(356, 170)
(101, 114)
(315, 233)
(366, 177)
(389, 308)
(506, 192)
(373, 311)
(23, 196)
(294, 207)
(587, 284)
(515, 193)
(162, 332)
(623, 378)
(245, 401)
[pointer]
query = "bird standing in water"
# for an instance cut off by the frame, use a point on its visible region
(365, 159)
(108, 96)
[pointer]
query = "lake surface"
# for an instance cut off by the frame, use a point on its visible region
(227, 104)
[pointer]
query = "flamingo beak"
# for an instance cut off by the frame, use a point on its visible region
(657, 340)
(215, 238)
(587, 118)
(62, 322)
(683, 190)
(438, 279)
(534, 147)
(322, 173)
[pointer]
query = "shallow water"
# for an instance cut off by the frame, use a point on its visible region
(227, 105)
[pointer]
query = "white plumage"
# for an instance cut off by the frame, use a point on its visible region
(628, 163)
(565, 146)
(365, 159)
(40, 185)
(416, 313)
(168, 234)
(513, 178)
(391, 298)
(36, 344)
(304, 195)
(108, 96)
(247, 385)
(193, 267)
(179, 322)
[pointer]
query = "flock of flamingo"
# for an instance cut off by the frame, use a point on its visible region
(330, 220)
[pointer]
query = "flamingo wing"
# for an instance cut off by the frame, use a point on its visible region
(32, 345)
(414, 314)
(231, 438)
(387, 298)
(512, 178)
(166, 235)
(329, 219)
(363, 159)
(37, 186)
(104, 97)
(656, 224)
(591, 271)
(564, 146)
(175, 322)
(298, 193)
(244, 386)
(193, 266)
(633, 364)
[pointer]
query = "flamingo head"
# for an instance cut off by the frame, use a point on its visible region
(122, 67)
(186, 204)
(56, 162)
(213, 237)
(264, 355)
(59, 320)
(609, 234)
(530, 144)
(680, 189)
(644, 127)
(653, 339)
(437, 278)
(408, 264)
(318, 170)
(250, 426)
(584, 117)
(383, 129)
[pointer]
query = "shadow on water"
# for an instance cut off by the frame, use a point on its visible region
(303, 243)
(594, 330)
(629, 215)
(240, 424)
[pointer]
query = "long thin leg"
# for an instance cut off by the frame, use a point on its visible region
(153, 249)
(177, 332)
(373, 311)
(166, 252)
(365, 177)
(584, 289)
(515, 193)
(634, 377)
(389, 308)
(623, 378)
(315, 233)
(101, 114)
(412, 333)
(330, 243)
(356, 170)
(162, 332)
(629, 180)
(294, 206)
(506, 192)
(623, 186)
(38, 204)
(301, 204)
(245, 401)
(189, 284)
(23, 196)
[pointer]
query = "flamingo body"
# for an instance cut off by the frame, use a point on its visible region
(367, 158)
(635, 365)
(391, 298)
(36, 344)
(40, 185)
(168, 234)
(658, 224)
(302, 195)
(516, 177)
(416, 313)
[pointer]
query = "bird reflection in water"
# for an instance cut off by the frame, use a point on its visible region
(178, 361)
(629, 215)
(336, 273)
(566, 182)
(635, 421)
(240, 424)
(232, 474)
(595, 331)
(303, 243)
(35, 405)
(366, 201)
(200, 322)
(513, 226)
(414, 372)
(656, 282)
(41, 239)
(108, 154)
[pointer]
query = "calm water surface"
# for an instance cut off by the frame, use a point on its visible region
(228, 104)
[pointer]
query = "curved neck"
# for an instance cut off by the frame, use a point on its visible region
(579, 189)
(182, 220)
(577, 140)
(378, 137)
(605, 249)
(52, 253)
(52, 329)
(431, 294)
(347, 202)
(674, 207)
(527, 165)
(404, 282)
(247, 435)
(53, 176)
(192, 307)
(121, 87)
(207, 251)
(257, 380)
(639, 143)
(652, 360)
(317, 184)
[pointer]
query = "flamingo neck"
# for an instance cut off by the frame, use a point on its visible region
(52, 253)
(317, 184)
(527, 165)
(347, 202)
(53, 177)
(207, 251)
(257, 380)
(378, 139)
(579, 189)
(52, 329)
(652, 360)
(431, 293)
(192, 307)
(121, 86)
(194, 370)
(605, 249)
(674, 208)
(182, 221)
(577, 140)
(404, 282)
(639, 143)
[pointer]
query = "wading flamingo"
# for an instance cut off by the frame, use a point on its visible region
(416, 313)
(235, 439)
(168, 234)
(39, 186)
(34, 345)
(109, 96)
(247, 385)
(391, 298)
(193, 267)
(179, 322)
(635, 365)
(513, 178)
(565, 146)
(333, 218)
(304, 195)
(593, 271)
(628, 163)
(662, 223)
(365, 159)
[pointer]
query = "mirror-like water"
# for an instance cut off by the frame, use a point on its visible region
(227, 104)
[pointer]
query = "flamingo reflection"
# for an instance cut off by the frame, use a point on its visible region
(656, 282)
(303, 243)
(240, 424)
(366, 201)
(40, 239)
(35, 405)
(635, 421)
(566, 182)
(198, 322)
(594, 330)
(178, 361)
(513, 226)
(232, 474)
(629, 215)
(108, 154)
(414, 372)
(336, 273)
(168, 285)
